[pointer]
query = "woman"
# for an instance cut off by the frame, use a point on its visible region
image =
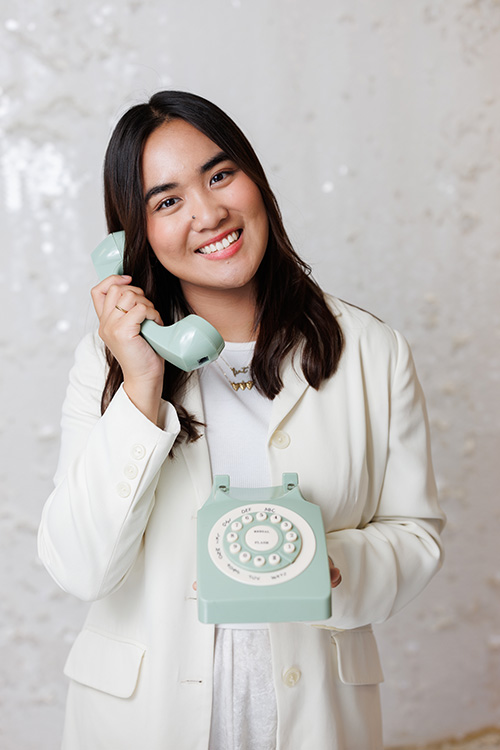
(306, 383)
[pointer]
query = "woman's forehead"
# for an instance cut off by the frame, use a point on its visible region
(176, 150)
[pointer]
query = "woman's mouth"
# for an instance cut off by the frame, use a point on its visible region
(222, 244)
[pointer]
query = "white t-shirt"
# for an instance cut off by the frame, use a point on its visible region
(237, 419)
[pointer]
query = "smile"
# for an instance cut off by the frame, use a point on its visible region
(225, 242)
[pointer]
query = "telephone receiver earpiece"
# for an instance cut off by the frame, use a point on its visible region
(188, 344)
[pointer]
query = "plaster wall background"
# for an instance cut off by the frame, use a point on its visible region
(378, 125)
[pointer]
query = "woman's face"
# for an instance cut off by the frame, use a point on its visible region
(206, 219)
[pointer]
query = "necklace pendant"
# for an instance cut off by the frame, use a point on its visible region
(239, 372)
(242, 385)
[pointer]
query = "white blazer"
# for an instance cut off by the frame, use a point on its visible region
(119, 531)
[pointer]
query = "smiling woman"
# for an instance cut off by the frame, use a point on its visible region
(216, 255)
(306, 384)
(260, 292)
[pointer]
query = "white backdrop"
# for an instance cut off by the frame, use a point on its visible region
(378, 125)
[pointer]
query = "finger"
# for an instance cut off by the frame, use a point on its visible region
(124, 297)
(119, 291)
(101, 290)
(335, 577)
(139, 313)
(127, 297)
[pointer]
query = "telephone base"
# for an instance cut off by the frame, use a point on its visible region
(262, 556)
(264, 609)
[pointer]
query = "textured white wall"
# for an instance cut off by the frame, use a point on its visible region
(378, 126)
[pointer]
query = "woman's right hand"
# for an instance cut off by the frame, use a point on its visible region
(121, 308)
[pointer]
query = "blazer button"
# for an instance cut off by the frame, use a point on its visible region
(138, 451)
(130, 471)
(280, 439)
(291, 676)
(123, 489)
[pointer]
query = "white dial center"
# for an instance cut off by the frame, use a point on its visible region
(261, 538)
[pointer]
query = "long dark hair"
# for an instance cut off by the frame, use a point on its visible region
(291, 309)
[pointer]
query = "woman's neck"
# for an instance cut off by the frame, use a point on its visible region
(231, 311)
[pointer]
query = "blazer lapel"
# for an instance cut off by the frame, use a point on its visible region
(196, 454)
(294, 385)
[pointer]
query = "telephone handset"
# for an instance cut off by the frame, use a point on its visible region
(262, 555)
(190, 343)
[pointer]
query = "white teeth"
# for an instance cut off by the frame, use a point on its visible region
(214, 246)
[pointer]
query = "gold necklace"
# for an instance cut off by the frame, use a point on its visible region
(241, 385)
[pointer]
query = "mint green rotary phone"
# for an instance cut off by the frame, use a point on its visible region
(188, 344)
(262, 556)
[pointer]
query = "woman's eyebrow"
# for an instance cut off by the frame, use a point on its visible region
(167, 186)
(211, 163)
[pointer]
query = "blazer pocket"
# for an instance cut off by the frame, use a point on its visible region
(357, 656)
(105, 662)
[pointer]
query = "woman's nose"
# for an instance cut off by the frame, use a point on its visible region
(207, 212)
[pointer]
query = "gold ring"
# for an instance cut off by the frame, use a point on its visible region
(120, 309)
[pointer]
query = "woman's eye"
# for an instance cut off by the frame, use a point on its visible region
(221, 176)
(167, 203)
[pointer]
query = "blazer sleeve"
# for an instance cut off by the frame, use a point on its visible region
(387, 562)
(93, 523)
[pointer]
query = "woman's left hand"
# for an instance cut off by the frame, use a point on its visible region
(335, 575)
